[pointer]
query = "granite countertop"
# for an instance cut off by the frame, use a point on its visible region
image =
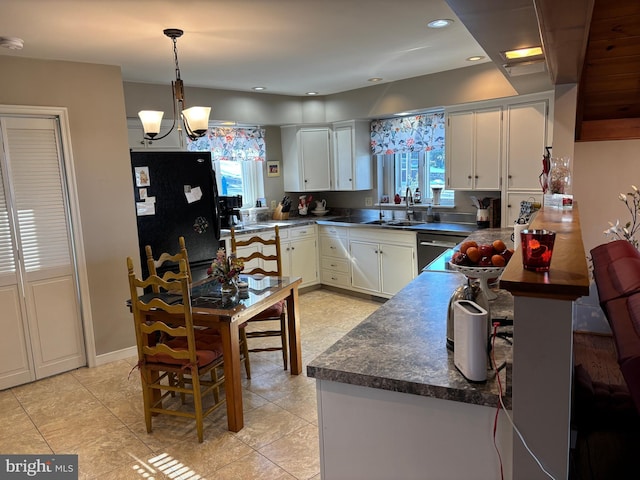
(402, 346)
(441, 227)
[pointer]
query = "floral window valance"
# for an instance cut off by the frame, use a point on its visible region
(415, 133)
(232, 143)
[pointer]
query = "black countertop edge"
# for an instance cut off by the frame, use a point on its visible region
(445, 228)
(401, 347)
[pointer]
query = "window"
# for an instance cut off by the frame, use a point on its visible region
(410, 151)
(238, 158)
(421, 170)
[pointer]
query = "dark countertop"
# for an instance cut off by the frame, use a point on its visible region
(402, 347)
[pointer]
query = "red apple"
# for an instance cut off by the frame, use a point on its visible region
(486, 250)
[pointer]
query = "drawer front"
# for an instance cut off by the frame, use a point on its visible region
(333, 247)
(335, 264)
(382, 235)
(333, 231)
(302, 232)
(335, 278)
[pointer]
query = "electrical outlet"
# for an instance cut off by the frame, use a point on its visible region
(273, 205)
(368, 202)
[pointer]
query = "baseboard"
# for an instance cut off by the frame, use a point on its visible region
(117, 355)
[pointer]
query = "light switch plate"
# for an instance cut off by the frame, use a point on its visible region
(368, 201)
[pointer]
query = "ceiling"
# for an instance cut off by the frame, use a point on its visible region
(288, 46)
(292, 47)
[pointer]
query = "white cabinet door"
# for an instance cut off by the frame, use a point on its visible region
(315, 155)
(460, 150)
(398, 265)
(306, 158)
(301, 255)
(365, 265)
(474, 152)
(488, 155)
(352, 156)
(526, 140)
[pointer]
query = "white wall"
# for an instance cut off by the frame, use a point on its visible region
(603, 170)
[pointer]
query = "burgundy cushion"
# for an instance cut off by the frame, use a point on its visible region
(624, 331)
(603, 257)
(273, 311)
(212, 343)
(625, 275)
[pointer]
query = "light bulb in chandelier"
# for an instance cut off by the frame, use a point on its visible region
(195, 119)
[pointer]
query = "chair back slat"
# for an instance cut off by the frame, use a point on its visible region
(147, 332)
(167, 258)
(270, 264)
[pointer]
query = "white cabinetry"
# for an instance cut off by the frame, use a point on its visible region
(300, 254)
(526, 138)
(352, 168)
(474, 149)
(528, 131)
(334, 256)
(384, 265)
(173, 141)
(306, 158)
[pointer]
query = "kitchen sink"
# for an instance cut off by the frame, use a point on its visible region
(394, 223)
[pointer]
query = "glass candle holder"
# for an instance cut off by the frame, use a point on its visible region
(537, 249)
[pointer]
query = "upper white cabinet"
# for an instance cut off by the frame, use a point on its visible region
(474, 149)
(306, 158)
(526, 137)
(352, 167)
(138, 142)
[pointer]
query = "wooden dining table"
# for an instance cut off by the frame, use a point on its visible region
(226, 314)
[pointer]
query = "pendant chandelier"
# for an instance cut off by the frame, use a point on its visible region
(194, 119)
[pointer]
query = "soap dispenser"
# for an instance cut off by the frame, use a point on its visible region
(429, 214)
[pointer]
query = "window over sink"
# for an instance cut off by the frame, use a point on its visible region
(411, 154)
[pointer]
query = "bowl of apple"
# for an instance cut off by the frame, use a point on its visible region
(484, 262)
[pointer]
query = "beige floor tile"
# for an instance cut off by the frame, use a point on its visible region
(97, 413)
(267, 424)
(251, 467)
(298, 453)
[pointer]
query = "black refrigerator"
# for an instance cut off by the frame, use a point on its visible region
(176, 195)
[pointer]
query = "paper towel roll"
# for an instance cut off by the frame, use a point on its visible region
(517, 228)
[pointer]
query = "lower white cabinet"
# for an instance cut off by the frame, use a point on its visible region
(382, 266)
(335, 268)
(300, 254)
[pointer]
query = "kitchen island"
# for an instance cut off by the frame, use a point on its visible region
(391, 403)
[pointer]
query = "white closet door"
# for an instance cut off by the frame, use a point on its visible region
(44, 258)
(15, 353)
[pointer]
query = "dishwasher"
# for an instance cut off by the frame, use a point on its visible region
(432, 244)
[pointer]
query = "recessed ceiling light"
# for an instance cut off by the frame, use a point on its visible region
(522, 53)
(258, 89)
(440, 23)
(311, 93)
(475, 58)
(12, 43)
(374, 79)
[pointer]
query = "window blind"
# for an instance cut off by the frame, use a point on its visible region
(39, 197)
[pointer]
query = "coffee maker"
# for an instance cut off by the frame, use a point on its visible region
(230, 210)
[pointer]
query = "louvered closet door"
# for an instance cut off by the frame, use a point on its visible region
(37, 274)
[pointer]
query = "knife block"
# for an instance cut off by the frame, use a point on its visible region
(278, 214)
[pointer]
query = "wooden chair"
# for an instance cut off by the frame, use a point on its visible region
(153, 265)
(267, 252)
(202, 334)
(179, 357)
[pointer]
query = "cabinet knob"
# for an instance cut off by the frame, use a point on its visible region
(305, 180)
(509, 177)
(469, 177)
(476, 177)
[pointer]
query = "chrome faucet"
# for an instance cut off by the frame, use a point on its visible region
(408, 197)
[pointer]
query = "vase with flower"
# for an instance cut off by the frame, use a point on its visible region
(225, 269)
(629, 230)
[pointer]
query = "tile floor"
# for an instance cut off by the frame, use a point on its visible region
(97, 414)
